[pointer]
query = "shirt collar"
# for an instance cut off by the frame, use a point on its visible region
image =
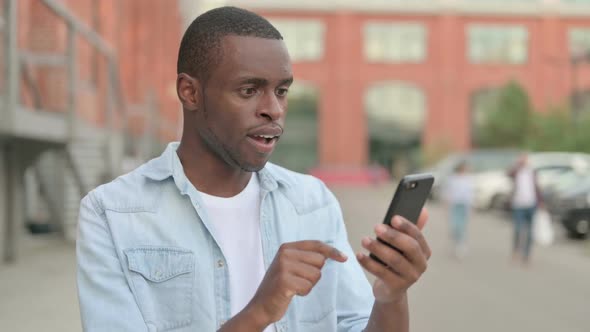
(162, 167)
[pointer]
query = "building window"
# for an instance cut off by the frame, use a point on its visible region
(394, 42)
(396, 115)
(396, 104)
(304, 38)
(579, 41)
(502, 44)
(298, 147)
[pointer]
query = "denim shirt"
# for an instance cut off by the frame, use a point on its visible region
(147, 260)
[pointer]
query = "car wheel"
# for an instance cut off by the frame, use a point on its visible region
(578, 228)
(582, 227)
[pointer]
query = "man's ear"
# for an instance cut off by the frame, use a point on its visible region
(188, 89)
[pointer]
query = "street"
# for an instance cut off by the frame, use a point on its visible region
(484, 292)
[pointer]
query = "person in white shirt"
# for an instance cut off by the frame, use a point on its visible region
(459, 196)
(526, 198)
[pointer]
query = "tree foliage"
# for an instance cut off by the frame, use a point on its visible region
(511, 122)
(507, 118)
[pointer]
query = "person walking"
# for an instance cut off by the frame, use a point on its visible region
(459, 195)
(526, 198)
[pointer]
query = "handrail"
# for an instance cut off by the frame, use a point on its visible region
(43, 59)
(30, 82)
(11, 68)
(76, 25)
(114, 98)
(92, 37)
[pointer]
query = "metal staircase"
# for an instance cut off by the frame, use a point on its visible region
(69, 155)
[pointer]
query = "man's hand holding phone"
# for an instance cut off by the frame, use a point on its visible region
(402, 267)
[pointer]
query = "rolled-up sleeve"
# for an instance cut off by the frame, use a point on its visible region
(106, 301)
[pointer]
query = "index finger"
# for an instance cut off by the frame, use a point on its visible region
(323, 249)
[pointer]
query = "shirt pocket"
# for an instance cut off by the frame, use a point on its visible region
(162, 280)
(320, 304)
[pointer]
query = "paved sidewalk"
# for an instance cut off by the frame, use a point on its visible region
(38, 293)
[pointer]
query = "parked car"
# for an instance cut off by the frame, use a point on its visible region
(494, 191)
(493, 186)
(562, 183)
(571, 206)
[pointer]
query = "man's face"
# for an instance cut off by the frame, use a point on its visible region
(243, 106)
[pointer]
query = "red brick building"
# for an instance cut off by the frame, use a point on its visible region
(436, 55)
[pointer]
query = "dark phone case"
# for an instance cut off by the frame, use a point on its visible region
(408, 202)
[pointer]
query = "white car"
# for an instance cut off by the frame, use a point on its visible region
(493, 189)
(487, 166)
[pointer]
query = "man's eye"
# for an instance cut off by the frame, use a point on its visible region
(282, 92)
(249, 91)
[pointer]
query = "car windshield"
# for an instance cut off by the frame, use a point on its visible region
(550, 176)
(570, 180)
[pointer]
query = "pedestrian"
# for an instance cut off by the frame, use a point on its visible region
(526, 197)
(211, 237)
(459, 196)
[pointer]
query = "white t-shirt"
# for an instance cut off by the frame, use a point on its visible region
(459, 189)
(236, 226)
(525, 193)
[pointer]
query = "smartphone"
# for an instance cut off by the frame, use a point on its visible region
(408, 200)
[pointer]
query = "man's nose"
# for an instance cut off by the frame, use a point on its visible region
(272, 107)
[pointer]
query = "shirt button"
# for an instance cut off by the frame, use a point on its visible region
(158, 273)
(220, 263)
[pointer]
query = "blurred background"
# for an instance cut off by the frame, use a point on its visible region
(383, 88)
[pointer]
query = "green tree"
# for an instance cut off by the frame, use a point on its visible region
(555, 130)
(507, 118)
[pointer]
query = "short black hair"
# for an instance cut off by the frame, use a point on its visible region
(200, 49)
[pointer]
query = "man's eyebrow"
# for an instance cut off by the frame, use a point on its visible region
(254, 80)
(287, 81)
(263, 82)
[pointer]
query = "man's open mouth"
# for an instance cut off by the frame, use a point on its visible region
(264, 138)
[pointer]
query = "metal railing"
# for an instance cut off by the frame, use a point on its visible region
(19, 64)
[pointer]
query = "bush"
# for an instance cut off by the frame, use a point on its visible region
(556, 130)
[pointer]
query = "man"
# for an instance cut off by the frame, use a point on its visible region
(526, 197)
(209, 236)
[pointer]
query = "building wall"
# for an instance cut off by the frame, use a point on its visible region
(446, 76)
